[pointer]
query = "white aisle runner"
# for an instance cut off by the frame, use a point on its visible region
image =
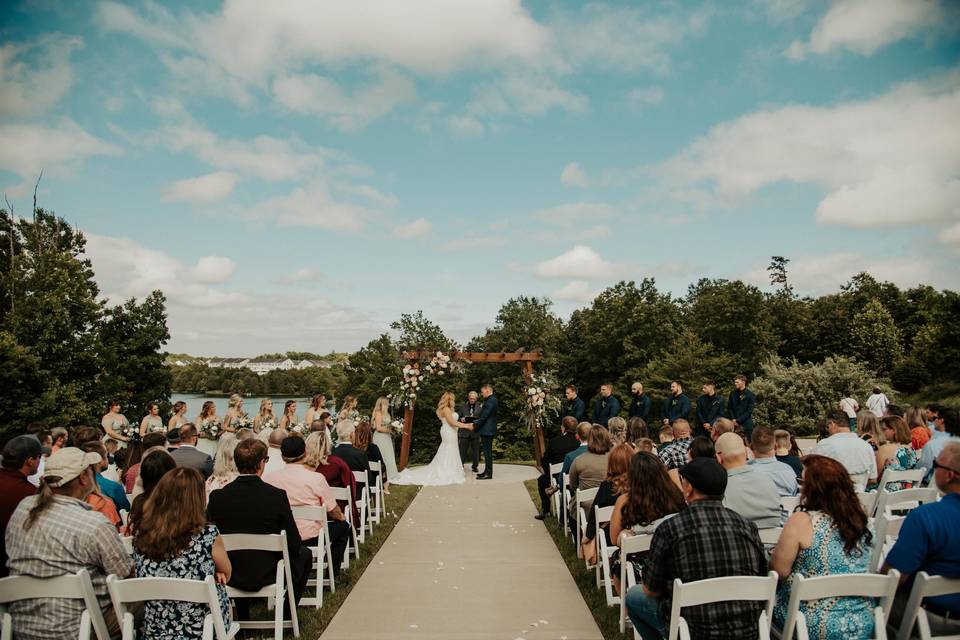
(467, 562)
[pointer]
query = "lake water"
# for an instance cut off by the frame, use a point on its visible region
(250, 404)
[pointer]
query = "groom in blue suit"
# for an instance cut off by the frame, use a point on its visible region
(486, 427)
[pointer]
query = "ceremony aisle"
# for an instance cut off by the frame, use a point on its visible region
(467, 562)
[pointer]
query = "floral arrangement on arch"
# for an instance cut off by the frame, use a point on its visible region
(541, 404)
(413, 377)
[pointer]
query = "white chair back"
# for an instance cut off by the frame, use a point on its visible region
(906, 499)
(321, 553)
(789, 503)
(282, 588)
(124, 592)
(887, 528)
(565, 500)
(629, 544)
(868, 501)
(925, 586)
(691, 594)
(342, 494)
(363, 502)
(73, 587)
(853, 585)
(603, 571)
(583, 495)
(128, 544)
(770, 536)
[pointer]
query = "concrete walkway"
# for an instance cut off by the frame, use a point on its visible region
(467, 562)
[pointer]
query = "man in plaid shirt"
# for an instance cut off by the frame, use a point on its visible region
(674, 455)
(704, 541)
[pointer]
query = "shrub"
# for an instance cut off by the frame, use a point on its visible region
(797, 395)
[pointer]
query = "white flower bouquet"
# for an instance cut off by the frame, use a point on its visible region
(210, 429)
(242, 421)
(299, 428)
(397, 425)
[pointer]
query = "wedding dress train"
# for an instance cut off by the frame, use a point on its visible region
(445, 468)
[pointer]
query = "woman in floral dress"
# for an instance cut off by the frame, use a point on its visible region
(827, 535)
(897, 454)
(174, 540)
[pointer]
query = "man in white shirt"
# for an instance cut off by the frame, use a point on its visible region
(849, 450)
(850, 406)
(764, 445)
(878, 402)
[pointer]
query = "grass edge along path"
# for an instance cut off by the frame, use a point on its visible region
(313, 622)
(607, 618)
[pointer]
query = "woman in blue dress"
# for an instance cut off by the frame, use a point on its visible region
(174, 540)
(897, 452)
(827, 535)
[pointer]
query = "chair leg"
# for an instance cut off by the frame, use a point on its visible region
(278, 618)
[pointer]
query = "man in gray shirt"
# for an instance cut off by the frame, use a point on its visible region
(750, 493)
(764, 446)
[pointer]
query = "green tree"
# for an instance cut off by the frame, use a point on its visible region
(875, 338)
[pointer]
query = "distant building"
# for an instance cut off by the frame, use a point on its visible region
(261, 366)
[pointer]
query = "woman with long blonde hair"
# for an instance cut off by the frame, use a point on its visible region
(348, 410)
(318, 404)
(265, 418)
(234, 411)
(383, 437)
(446, 467)
(333, 468)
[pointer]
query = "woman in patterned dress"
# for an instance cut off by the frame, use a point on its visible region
(174, 540)
(898, 453)
(827, 535)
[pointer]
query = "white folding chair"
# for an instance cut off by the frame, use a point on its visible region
(925, 586)
(342, 494)
(629, 544)
(73, 587)
(321, 553)
(360, 477)
(906, 499)
(770, 536)
(692, 594)
(868, 500)
(849, 585)
(789, 503)
(124, 592)
(583, 495)
(914, 476)
(377, 495)
(556, 470)
(128, 543)
(887, 528)
(604, 553)
(565, 499)
(280, 592)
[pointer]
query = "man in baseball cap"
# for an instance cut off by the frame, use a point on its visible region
(66, 465)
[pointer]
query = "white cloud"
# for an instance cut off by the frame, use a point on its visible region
(575, 290)
(821, 274)
(950, 235)
(526, 94)
(28, 148)
(598, 231)
(212, 187)
(889, 160)
(644, 96)
(311, 93)
(577, 213)
(581, 262)
(32, 87)
(213, 269)
(304, 275)
(413, 229)
(864, 26)
(312, 205)
(573, 176)
(466, 126)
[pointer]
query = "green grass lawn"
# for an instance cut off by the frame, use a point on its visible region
(607, 617)
(314, 621)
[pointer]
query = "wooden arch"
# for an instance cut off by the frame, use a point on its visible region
(525, 359)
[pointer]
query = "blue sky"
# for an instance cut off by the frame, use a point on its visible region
(294, 175)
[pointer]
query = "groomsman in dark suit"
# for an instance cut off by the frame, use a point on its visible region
(677, 405)
(639, 402)
(606, 406)
(574, 405)
(557, 450)
(741, 403)
(250, 505)
(468, 440)
(709, 408)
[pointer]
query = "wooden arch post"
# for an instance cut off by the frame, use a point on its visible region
(524, 358)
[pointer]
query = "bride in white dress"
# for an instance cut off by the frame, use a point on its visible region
(446, 467)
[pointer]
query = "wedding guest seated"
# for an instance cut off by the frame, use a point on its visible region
(245, 434)
(187, 454)
(929, 541)
(363, 441)
(274, 457)
(897, 453)
(649, 499)
(589, 469)
(700, 447)
(848, 449)
(334, 469)
(156, 463)
(617, 427)
(665, 437)
(787, 450)
(645, 444)
(21, 457)
(917, 425)
(83, 433)
(132, 455)
(612, 487)
(151, 442)
(108, 488)
(764, 445)
(827, 535)
(674, 455)
(583, 433)
(224, 468)
(356, 459)
(946, 428)
(173, 439)
(750, 493)
(636, 431)
(250, 505)
(868, 428)
(705, 540)
(556, 450)
(111, 472)
(56, 533)
(306, 487)
(175, 540)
